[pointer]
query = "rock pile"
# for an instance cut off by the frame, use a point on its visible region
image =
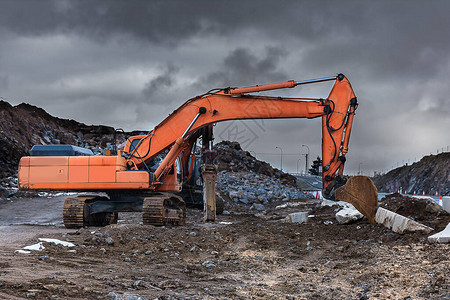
(25, 125)
(8, 187)
(252, 188)
(231, 157)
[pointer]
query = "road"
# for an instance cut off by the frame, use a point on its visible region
(32, 211)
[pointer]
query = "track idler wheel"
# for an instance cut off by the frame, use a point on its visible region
(163, 210)
(362, 194)
(73, 212)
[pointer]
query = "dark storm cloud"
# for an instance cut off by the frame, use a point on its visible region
(243, 67)
(97, 61)
(160, 83)
(157, 21)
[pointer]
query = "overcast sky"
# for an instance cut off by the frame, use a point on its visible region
(129, 64)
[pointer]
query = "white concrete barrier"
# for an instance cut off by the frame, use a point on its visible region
(446, 203)
(441, 237)
(398, 223)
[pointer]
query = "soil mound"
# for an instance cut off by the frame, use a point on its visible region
(425, 211)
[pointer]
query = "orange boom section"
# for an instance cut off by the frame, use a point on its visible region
(79, 172)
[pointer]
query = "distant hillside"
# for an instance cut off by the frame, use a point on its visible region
(25, 125)
(431, 173)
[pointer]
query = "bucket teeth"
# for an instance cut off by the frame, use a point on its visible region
(362, 194)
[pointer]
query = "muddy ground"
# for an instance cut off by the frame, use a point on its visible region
(242, 255)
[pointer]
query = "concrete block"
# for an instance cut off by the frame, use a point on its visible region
(441, 237)
(348, 215)
(298, 217)
(446, 203)
(399, 223)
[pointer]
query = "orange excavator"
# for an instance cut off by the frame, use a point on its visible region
(150, 172)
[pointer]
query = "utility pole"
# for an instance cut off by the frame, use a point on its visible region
(306, 155)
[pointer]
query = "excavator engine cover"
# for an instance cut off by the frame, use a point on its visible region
(362, 194)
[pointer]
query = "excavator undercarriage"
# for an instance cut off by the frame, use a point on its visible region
(92, 210)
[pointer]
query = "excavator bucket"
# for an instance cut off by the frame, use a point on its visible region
(362, 194)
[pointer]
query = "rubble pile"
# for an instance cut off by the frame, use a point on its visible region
(8, 187)
(253, 188)
(231, 157)
(25, 125)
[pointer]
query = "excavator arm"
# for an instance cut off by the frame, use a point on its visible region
(337, 112)
(234, 104)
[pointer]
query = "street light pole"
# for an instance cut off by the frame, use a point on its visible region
(359, 173)
(306, 155)
(281, 157)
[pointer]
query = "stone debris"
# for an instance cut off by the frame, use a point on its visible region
(281, 206)
(250, 187)
(298, 217)
(257, 206)
(399, 223)
(442, 237)
(125, 296)
(348, 215)
(231, 157)
(208, 264)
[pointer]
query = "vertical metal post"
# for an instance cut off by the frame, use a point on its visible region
(306, 155)
(281, 157)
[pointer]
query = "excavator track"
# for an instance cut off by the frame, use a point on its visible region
(74, 211)
(163, 210)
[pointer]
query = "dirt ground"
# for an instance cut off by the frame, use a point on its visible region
(242, 255)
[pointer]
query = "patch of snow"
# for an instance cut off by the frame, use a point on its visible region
(57, 242)
(22, 251)
(35, 247)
